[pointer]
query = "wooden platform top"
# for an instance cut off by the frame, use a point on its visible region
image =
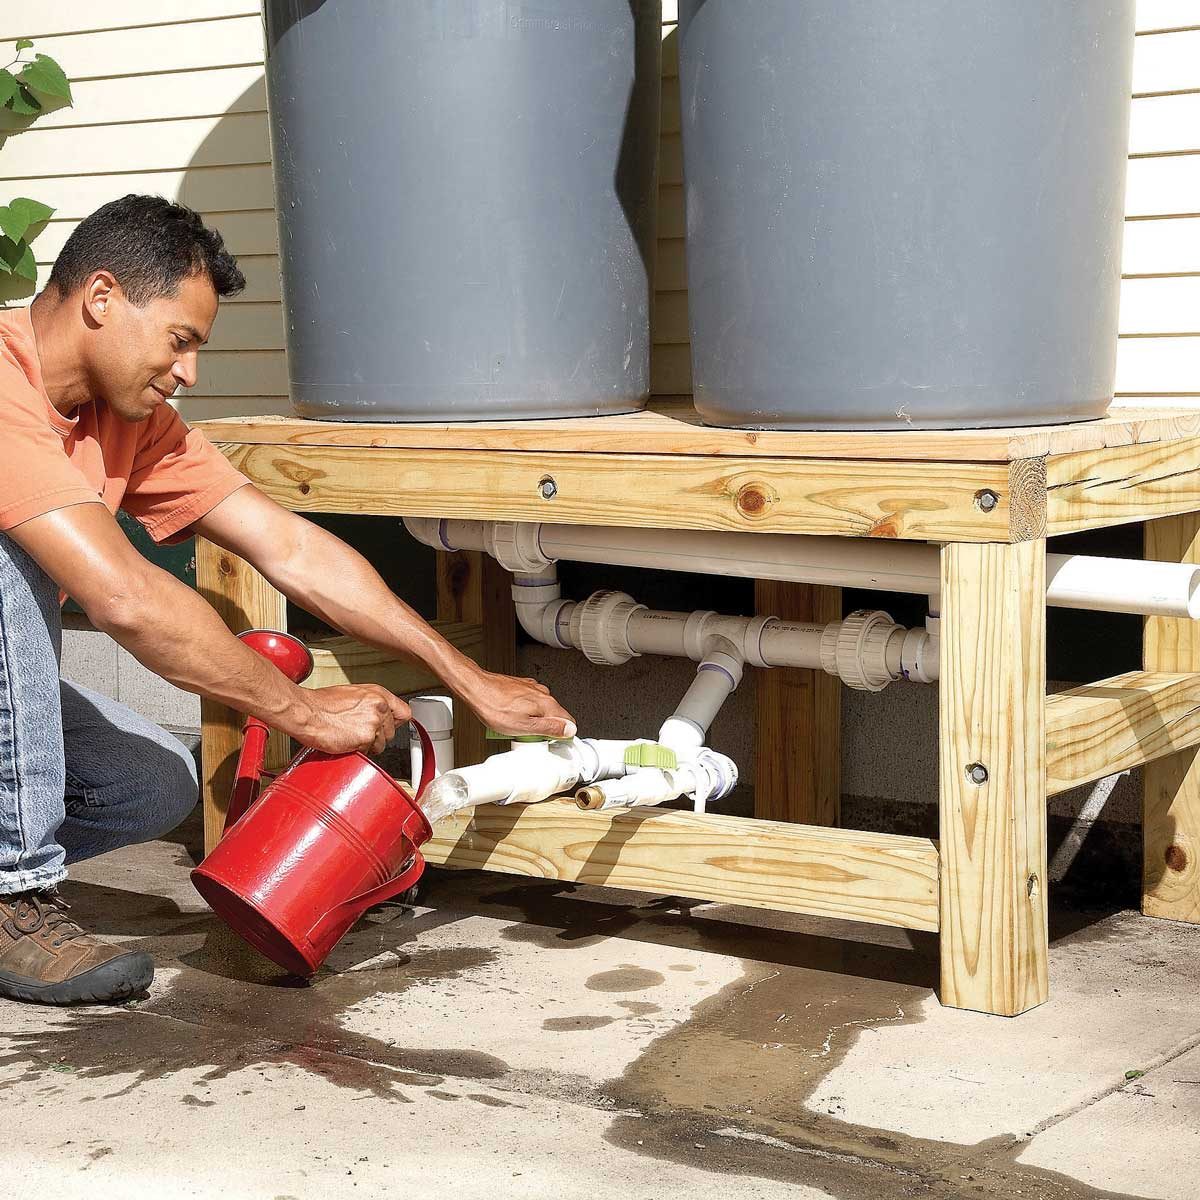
(671, 426)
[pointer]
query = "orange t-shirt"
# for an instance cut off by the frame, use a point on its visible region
(159, 471)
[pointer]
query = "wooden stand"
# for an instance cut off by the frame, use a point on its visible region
(990, 498)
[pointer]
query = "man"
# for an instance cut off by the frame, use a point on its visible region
(85, 428)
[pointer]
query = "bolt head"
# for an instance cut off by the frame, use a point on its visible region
(987, 500)
(548, 488)
(977, 773)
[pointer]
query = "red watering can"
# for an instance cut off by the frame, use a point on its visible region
(331, 836)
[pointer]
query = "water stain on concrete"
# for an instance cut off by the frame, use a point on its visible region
(639, 1008)
(625, 978)
(726, 1090)
(228, 1008)
(575, 1024)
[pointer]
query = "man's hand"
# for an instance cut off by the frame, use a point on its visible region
(510, 705)
(348, 717)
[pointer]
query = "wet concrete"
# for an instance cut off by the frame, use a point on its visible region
(541, 1039)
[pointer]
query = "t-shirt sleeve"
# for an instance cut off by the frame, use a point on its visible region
(36, 476)
(177, 477)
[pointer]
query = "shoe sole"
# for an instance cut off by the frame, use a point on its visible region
(109, 983)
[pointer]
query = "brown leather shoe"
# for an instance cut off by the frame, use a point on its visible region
(48, 959)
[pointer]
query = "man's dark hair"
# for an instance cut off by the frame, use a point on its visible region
(150, 246)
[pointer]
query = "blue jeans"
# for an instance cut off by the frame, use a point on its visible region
(80, 774)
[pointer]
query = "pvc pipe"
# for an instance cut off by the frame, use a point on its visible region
(866, 650)
(526, 774)
(716, 679)
(436, 714)
(1143, 587)
(1073, 581)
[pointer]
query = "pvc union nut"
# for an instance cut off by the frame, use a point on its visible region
(515, 547)
(861, 650)
(603, 624)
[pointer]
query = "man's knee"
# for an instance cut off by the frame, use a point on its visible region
(170, 788)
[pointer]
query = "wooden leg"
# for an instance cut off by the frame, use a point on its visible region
(1171, 809)
(473, 588)
(992, 764)
(797, 747)
(244, 600)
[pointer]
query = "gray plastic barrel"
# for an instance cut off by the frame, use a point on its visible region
(466, 193)
(904, 213)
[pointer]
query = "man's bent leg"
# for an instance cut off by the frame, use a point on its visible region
(32, 778)
(44, 955)
(127, 780)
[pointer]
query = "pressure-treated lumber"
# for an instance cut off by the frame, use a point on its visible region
(342, 660)
(881, 878)
(1094, 489)
(797, 722)
(473, 588)
(991, 702)
(671, 426)
(244, 600)
(1171, 809)
(1118, 724)
(902, 500)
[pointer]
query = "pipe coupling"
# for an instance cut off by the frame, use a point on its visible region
(855, 650)
(515, 546)
(603, 624)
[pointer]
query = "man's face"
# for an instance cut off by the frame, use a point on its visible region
(148, 352)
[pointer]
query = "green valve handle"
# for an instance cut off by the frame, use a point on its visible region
(651, 754)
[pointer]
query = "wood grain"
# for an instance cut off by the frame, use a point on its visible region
(342, 660)
(1093, 489)
(797, 724)
(671, 426)
(1171, 807)
(1117, 724)
(893, 500)
(244, 600)
(993, 834)
(881, 878)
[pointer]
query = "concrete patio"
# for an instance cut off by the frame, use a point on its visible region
(522, 1039)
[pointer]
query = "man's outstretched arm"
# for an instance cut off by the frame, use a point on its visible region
(320, 573)
(174, 632)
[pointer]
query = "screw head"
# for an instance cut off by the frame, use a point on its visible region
(977, 773)
(987, 500)
(548, 488)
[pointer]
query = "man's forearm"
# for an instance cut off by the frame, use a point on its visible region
(206, 659)
(333, 581)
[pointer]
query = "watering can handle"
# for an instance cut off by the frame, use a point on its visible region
(416, 865)
(428, 759)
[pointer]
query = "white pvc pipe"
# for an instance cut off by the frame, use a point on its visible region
(1073, 581)
(436, 714)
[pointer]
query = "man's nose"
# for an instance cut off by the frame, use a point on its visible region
(185, 370)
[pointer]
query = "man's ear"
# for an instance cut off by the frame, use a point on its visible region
(99, 293)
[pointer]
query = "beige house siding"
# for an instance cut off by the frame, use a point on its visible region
(170, 99)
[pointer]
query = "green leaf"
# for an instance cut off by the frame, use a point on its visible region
(8, 86)
(26, 265)
(34, 211)
(5, 269)
(46, 76)
(25, 103)
(14, 224)
(19, 258)
(23, 44)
